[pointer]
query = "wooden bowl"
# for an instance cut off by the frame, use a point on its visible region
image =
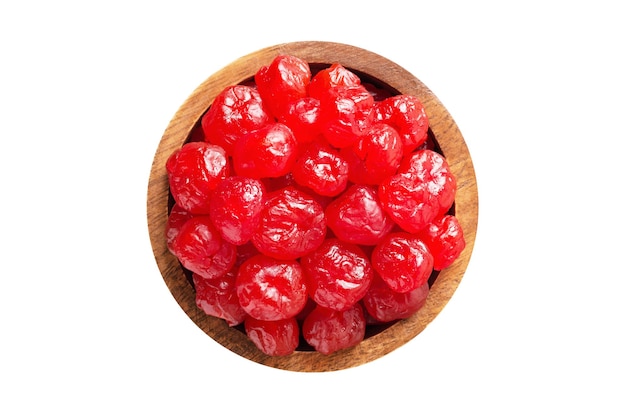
(380, 72)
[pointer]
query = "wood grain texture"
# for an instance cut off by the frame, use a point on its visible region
(447, 135)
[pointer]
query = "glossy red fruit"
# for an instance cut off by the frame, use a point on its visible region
(269, 289)
(302, 117)
(338, 274)
(274, 338)
(269, 151)
(407, 115)
(422, 190)
(445, 240)
(235, 208)
(346, 113)
(292, 224)
(403, 261)
(217, 297)
(321, 169)
(282, 82)
(386, 305)
(175, 220)
(236, 111)
(196, 244)
(329, 331)
(375, 156)
(193, 173)
(357, 216)
(333, 76)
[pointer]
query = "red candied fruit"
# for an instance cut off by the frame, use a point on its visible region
(270, 289)
(445, 240)
(274, 338)
(329, 331)
(407, 115)
(375, 156)
(357, 216)
(269, 151)
(306, 207)
(403, 261)
(175, 220)
(338, 274)
(196, 243)
(193, 172)
(235, 208)
(236, 111)
(333, 76)
(346, 113)
(386, 305)
(217, 297)
(302, 117)
(292, 224)
(282, 82)
(322, 169)
(422, 190)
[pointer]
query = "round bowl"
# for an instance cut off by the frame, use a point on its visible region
(382, 73)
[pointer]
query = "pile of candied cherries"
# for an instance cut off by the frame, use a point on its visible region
(308, 207)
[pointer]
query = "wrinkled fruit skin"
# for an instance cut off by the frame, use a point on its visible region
(338, 274)
(235, 112)
(217, 297)
(282, 82)
(386, 305)
(274, 338)
(270, 151)
(358, 217)
(329, 331)
(269, 289)
(235, 208)
(292, 224)
(407, 115)
(444, 237)
(423, 189)
(306, 206)
(193, 173)
(403, 261)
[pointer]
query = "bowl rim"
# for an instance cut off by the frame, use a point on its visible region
(449, 139)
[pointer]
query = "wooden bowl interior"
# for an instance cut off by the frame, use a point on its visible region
(371, 68)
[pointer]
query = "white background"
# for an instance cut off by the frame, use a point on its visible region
(88, 326)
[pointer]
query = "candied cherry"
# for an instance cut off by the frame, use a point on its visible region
(292, 224)
(269, 151)
(445, 240)
(345, 114)
(403, 261)
(175, 220)
(217, 297)
(357, 216)
(407, 115)
(421, 190)
(333, 76)
(196, 243)
(236, 111)
(329, 331)
(375, 156)
(385, 305)
(322, 169)
(338, 274)
(274, 338)
(302, 117)
(193, 173)
(271, 289)
(282, 82)
(235, 208)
